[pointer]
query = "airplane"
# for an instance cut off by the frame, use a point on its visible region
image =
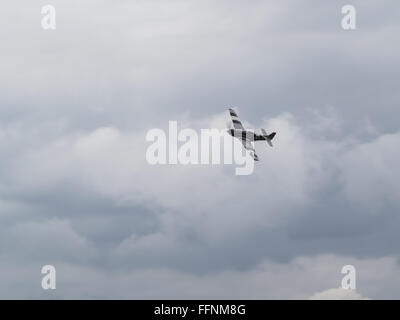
(246, 137)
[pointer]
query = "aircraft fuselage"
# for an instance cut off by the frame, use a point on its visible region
(245, 134)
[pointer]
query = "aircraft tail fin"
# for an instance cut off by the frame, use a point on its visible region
(268, 137)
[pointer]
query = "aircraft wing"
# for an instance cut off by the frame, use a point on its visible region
(247, 144)
(236, 122)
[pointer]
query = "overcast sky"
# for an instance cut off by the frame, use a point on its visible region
(76, 191)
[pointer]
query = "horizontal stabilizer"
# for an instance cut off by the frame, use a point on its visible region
(268, 137)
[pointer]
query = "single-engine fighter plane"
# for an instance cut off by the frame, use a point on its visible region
(246, 136)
